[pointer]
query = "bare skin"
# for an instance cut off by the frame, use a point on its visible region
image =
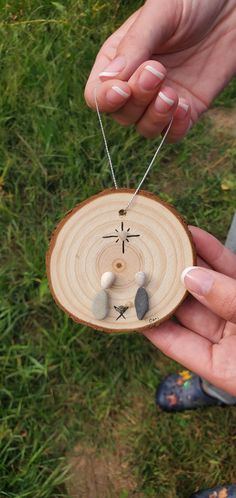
(204, 340)
(189, 43)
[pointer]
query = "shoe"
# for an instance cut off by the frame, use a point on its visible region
(217, 492)
(183, 391)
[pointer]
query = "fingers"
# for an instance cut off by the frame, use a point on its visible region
(184, 346)
(111, 95)
(159, 113)
(213, 252)
(213, 362)
(150, 29)
(132, 44)
(200, 319)
(182, 122)
(153, 121)
(166, 106)
(214, 290)
(144, 84)
(128, 102)
(122, 57)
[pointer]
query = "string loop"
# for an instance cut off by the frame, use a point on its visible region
(109, 157)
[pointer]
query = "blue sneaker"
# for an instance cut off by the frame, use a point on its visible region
(227, 491)
(183, 391)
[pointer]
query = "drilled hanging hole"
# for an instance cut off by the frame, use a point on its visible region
(122, 212)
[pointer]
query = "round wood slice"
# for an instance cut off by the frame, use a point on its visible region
(86, 244)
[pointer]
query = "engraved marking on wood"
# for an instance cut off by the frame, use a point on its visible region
(121, 310)
(122, 235)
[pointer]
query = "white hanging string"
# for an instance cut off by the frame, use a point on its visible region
(150, 165)
(109, 157)
(104, 138)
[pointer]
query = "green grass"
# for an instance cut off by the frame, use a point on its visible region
(62, 383)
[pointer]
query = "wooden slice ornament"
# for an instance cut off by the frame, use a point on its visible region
(98, 240)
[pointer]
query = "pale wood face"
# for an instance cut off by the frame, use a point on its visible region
(93, 239)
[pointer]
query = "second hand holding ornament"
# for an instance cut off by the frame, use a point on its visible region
(105, 243)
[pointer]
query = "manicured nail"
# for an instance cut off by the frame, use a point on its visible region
(150, 78)
(197, 280)
(166, 99)
(163, 102)
(114, 68)
(116, 95)
(154, 71)
(183, 104)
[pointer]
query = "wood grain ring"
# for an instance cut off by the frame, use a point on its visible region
(86, 243)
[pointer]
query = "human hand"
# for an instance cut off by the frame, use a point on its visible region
(192, 42)
(204, 340)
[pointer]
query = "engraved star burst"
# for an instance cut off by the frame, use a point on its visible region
(121, 235)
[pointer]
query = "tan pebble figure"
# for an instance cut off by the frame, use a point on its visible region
(100, 305)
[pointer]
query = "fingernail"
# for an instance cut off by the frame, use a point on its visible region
(197, 280)
(183, 105)
(163, 102)
(116, 95)
(114, 68)
(150, 78)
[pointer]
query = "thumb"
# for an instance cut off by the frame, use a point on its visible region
(153, 26)
(214, 290)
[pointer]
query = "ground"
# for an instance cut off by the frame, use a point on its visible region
(103, 474)
(64, 386)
